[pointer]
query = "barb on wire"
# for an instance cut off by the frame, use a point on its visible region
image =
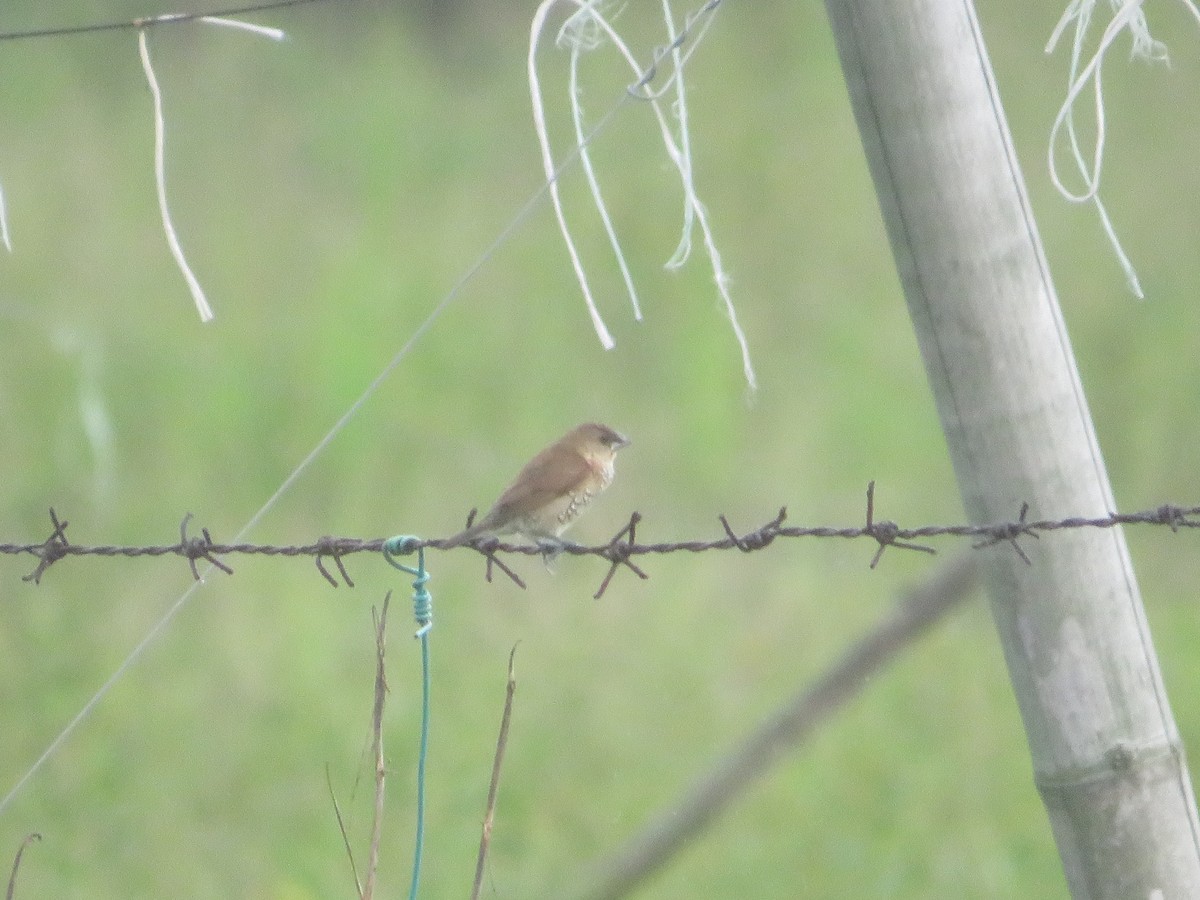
(618, 553)
(1010, 532)
(198, 548)
(328, 546)
(886, 533)
(49, 551)
(621, 550)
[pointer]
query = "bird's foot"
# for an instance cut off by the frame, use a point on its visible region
(552, 548)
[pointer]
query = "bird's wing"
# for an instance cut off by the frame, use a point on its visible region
(548, 476)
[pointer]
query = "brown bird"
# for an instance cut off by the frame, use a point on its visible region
(553, 488)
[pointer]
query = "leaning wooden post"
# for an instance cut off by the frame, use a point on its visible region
(1106, 752)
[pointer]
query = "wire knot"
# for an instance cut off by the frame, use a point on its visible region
(402, 545)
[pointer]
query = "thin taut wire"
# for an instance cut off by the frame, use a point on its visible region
(150, 21)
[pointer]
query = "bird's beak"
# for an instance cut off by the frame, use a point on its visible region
(622, 441)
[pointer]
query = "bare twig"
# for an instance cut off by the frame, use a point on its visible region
(337, 811)
(489, 815)
(381, 690)
(788, 727)
(12, 879)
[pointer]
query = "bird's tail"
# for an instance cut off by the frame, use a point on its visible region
(466, 535)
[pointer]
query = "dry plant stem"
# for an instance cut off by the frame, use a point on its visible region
(489, 816)
(12, 879)
(716, 790)
(337, 811)
(377, 731)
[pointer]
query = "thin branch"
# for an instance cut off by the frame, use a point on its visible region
(337, 811)
(489, 815)
(381, 690)
(12, 878)
(785, 730)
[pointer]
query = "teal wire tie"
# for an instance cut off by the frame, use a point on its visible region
(402, 545)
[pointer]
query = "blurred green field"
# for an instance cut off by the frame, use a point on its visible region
(329, 191)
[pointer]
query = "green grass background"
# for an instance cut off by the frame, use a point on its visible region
(329, 191)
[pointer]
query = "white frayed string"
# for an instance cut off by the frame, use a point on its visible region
(1078, 80)
(584, 37)
(206, 313)
(4, 224)
(684, 250)
(275, 34)
(1127, 16)
(694, 211)
(578, 33)
(539, 124)
(1193, 9)
(160, 180)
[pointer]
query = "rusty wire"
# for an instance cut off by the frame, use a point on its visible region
(620, 550)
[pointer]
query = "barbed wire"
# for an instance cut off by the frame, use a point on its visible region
(149, 21)
(619, 551)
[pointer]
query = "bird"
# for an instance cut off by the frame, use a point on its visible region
(553, 488)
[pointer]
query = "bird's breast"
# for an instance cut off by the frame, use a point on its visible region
(604, 473)
(575, 503)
